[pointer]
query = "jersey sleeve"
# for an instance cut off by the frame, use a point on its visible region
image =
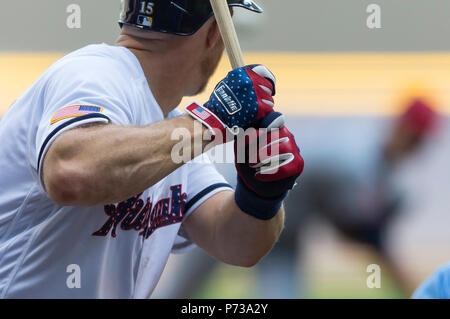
(204, 181)
(81, 91)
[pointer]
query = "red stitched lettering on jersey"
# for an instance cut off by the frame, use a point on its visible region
(139, 215)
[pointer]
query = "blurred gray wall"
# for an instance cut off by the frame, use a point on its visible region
(287, 25)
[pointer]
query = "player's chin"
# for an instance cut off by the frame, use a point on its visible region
(196, 91)
(202, 88)
(207, 69)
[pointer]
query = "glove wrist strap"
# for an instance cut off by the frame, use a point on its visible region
(255, 206)
(207, 118)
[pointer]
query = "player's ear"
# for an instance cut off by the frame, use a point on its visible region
(213, 35)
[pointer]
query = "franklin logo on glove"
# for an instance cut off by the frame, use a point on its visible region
(227, 98)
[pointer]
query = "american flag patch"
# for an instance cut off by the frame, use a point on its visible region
(75, 111)
(201, 113)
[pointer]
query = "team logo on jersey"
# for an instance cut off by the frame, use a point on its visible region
(144, 216)
(74, 111)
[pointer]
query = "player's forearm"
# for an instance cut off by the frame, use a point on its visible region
(107, 164)
(243, 239)
(233, 236)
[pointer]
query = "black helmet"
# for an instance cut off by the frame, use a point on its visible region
(180, 17)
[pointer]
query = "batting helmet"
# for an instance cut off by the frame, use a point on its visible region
(180, 17)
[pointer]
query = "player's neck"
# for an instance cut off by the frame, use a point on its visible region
(165, 82)
(166, 75)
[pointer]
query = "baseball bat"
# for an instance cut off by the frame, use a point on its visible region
(228, 32)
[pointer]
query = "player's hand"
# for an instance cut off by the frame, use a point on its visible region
(270, 164)
(241, 100)
(267, 170)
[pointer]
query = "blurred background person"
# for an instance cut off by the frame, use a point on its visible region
(360, 202)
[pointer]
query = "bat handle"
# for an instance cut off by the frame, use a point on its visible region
(228, 32)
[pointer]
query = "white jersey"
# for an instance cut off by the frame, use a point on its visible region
(112, 251)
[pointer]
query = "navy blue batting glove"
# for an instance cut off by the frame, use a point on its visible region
(241, 100)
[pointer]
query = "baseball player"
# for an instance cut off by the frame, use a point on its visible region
(91, 202)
